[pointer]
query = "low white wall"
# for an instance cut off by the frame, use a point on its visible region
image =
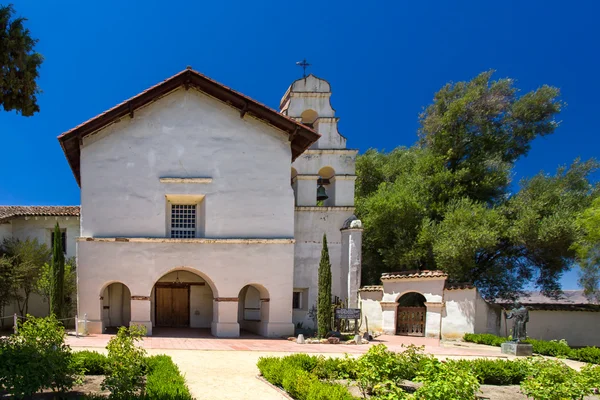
(459, 313)
(371, 310)
(578, 328)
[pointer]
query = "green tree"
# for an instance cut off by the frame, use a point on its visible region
(446, 202)
(7, 278)
(57, 297)
(19, 65)
(27, 258)
(324, 296)
(588, 250)
(46, 279)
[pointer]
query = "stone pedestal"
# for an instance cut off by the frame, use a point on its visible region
(517, 349)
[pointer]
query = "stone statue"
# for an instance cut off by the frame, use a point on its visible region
(520, 314)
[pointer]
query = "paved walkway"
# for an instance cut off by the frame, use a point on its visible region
(225, 369)
(199, 339)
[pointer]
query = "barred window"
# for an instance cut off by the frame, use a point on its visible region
(183, 221)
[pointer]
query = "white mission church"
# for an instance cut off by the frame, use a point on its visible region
(199, 209)
(203, 208)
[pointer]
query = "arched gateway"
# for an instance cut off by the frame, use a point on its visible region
(412, 315)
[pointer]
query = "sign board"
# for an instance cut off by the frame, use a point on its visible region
(347, 313)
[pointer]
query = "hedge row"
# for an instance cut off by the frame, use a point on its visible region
(543, 347)
(380, 374)
(163, 378)
(292, 374)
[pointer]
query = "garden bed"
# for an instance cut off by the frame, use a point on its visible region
(382, 374)
(36, 363)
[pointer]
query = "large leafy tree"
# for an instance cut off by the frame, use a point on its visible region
(446, 203)
(588, 250)
(6, 285)
(45, 284)
(27, 258)
(19, 65)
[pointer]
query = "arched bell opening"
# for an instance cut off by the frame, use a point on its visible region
(116, 306)
(326, 187)
(310, 118)
(411, 315)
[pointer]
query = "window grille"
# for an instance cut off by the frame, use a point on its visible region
(183, 221)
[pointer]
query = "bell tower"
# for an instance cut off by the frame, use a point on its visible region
(323, 179)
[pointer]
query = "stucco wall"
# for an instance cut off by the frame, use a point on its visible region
(343, 162)
(310, 226)
(371, 311)
(40, 228)
(227, 268)
(187, 134)
(459, 315)
(5, 231)
(431, 288)
(578, 328)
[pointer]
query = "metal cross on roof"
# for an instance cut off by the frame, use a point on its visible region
(303, 64)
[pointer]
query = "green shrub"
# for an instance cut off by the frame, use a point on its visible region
(164, 381)
(484, 338)
(376, 366)
(297, 375)
(333, 368)
(92, 362)
(36, 358)
(553, 380)
(270, 368)
(494, 372)
(550, 348)
(587, 354)
(126, 363)
(591, 375)
(442, 382)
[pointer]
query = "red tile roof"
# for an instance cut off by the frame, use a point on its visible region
(372, 288)
(458, 285)
(301, 136)
(414, 274)
(9, 212)
(573, 300)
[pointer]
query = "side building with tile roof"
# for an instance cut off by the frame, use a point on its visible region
(424, 303)
(37, 223)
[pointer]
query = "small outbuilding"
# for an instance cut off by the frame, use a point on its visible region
(424, 303)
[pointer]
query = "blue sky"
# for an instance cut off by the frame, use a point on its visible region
(384, 59)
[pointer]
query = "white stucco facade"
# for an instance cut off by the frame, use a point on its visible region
(256, 236)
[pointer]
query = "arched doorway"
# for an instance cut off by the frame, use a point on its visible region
(182, 299)
(253, 309)
(116, 306)
(410, 320)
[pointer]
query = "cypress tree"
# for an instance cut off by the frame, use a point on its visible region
(324, 298)
(57, 298)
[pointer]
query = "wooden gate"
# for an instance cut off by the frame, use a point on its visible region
(172, 306)
(411, 321)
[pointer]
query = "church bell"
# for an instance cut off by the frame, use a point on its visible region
(321, 193)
